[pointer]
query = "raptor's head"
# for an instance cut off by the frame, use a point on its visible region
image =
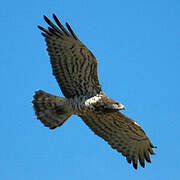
(113, 107)
(118, 106)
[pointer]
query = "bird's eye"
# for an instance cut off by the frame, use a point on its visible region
(116, 105)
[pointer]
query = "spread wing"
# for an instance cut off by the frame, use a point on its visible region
(74, 66)
(122, 134)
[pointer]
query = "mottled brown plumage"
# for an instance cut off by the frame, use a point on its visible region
(75, 69)
(74, 66)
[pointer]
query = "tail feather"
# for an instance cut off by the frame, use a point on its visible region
(51, 110)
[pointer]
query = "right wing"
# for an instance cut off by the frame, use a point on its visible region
(74, 66)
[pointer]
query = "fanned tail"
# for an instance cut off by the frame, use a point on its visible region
(51, 110)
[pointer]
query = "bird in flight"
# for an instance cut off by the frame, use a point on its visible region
(75, 69)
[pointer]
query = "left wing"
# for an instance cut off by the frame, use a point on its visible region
(122, 134)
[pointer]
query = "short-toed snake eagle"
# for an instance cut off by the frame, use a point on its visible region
(75, 69)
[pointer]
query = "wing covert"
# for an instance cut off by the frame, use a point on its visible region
(74, 66)
(122, 134)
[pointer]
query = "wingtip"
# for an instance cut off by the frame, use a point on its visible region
(67, 24)
(71, 31)
(135, 165)
(152, 146)
(142, 164)
(148, 160)
(46, 19)
(39, 27)
(128, 160)
(54, 16)
(43, 34)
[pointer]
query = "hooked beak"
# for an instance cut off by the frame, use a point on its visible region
(122, 107)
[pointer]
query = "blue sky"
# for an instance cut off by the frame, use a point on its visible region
(137, 46)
